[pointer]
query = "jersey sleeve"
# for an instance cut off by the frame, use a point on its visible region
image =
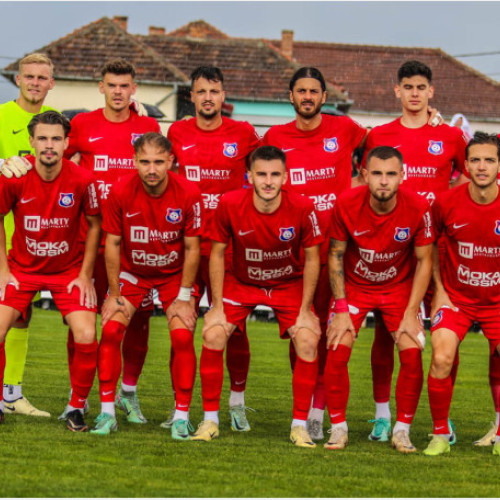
(459, 157)
(357, 133)
(437, 216)
(424, 234)
(8, 194)
(112, 215)
(91, 200)
(74, 134)
(220, 226)
(368, 147)
(311, 231)
(337, 228)
(194, 213)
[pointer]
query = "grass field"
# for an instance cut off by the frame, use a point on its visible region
(42, 459)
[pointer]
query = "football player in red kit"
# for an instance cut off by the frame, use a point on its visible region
(430, 155)
(212, 151)
(153, 225)
(48, 204)
(378, 232)
(318, 151)
(104, 139)
(268, 228)
(466, 277)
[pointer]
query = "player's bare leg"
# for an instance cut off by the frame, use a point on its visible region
(440, 387)
(496, 445)
(408, 389)
(83, 325)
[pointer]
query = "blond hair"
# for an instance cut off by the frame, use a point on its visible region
(36, 58)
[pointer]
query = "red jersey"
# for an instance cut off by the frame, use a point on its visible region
(470, 268)
(319, 161)
(153, 228)
(266, 247)
(107, 148)
(429, 154)
(215, 159)
(380, 247)
(47, 216)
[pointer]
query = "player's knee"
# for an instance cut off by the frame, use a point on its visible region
(112, 333)
(306, 344)
(442, 362)
(182, 339)
(215, 337)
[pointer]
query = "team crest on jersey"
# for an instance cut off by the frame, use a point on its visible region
(437, 319)
(134, 138)
(174, 215)
(402, 234)
(436, 147)
(230, 149)
(330, 145)
(497, 227)
(287, 233)
(66, 200)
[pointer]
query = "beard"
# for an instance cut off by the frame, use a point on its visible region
(384, 196)
(316, 110)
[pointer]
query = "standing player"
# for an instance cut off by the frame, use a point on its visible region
(153, 226)
(268, 228)
(212, 151)
(377, 232)
(34, 81)
(48, 204)
(104, 138)
(318, 156)
(467, 279)
(430, 156)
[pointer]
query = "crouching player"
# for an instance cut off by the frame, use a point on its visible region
(376, 231)
(48, 204)
(268, 228)
(467, 277)
(153, 225)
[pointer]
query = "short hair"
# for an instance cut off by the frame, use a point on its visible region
(483, 138)
(210, 73)
(308, 72)
(414, 68)
(384, 153)
(36, 58)
(118, 66)
(49, 118)
(268, 153)
(153, 139)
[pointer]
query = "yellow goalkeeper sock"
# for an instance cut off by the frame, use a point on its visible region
(16, 348)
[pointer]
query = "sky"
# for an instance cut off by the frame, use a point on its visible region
(456, 27)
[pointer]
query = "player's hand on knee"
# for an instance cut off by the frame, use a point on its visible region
(138, 107)
(15, 166)
(339, 326)
(88, 296)
(7, 278)
(216, 317)
(411, 325)
(185, 311)
(308, 320)
(113, 305)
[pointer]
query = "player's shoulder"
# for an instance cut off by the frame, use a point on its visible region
(87, 117)
(76, 172)
(182, 183)
(452, 197)
(236, 197)
(297, 200)
(353, 195)
(180, 126)
(386, 128)
(231, 123)
(146, 122)
(412, 200)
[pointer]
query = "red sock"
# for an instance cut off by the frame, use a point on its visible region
(292, 355)
(84, 367)
(184, 366)
(440, 392)
(70, 347)
(454, 368)
(110, 360)
(135, 346)
(2, 366)
(303, 382)
(212, 376)
(319, 396)
(337, 382)
(494, 375)
(382, 358)
(409, 384)
(238, 359)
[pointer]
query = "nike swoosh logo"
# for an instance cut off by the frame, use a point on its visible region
(243, 233)
(458, 226)
(359, 233)
(286, 150)
(93, 139)
(11, 408)
(17, 131)
(188, 147)
(24, 200)
(132, 215)
(398, 146)
(105, 393)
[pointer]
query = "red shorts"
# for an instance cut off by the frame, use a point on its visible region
(101, 285)
(136, 289)
(391, 305)
(240, 299)
(460, 321)
(203, 278)
(57, 284)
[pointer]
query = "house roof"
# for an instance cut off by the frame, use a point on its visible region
(368, 73)
(253, 69)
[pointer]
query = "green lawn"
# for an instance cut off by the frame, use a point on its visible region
(42, 459)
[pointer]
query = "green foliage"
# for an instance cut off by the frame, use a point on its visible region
(42, 459)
